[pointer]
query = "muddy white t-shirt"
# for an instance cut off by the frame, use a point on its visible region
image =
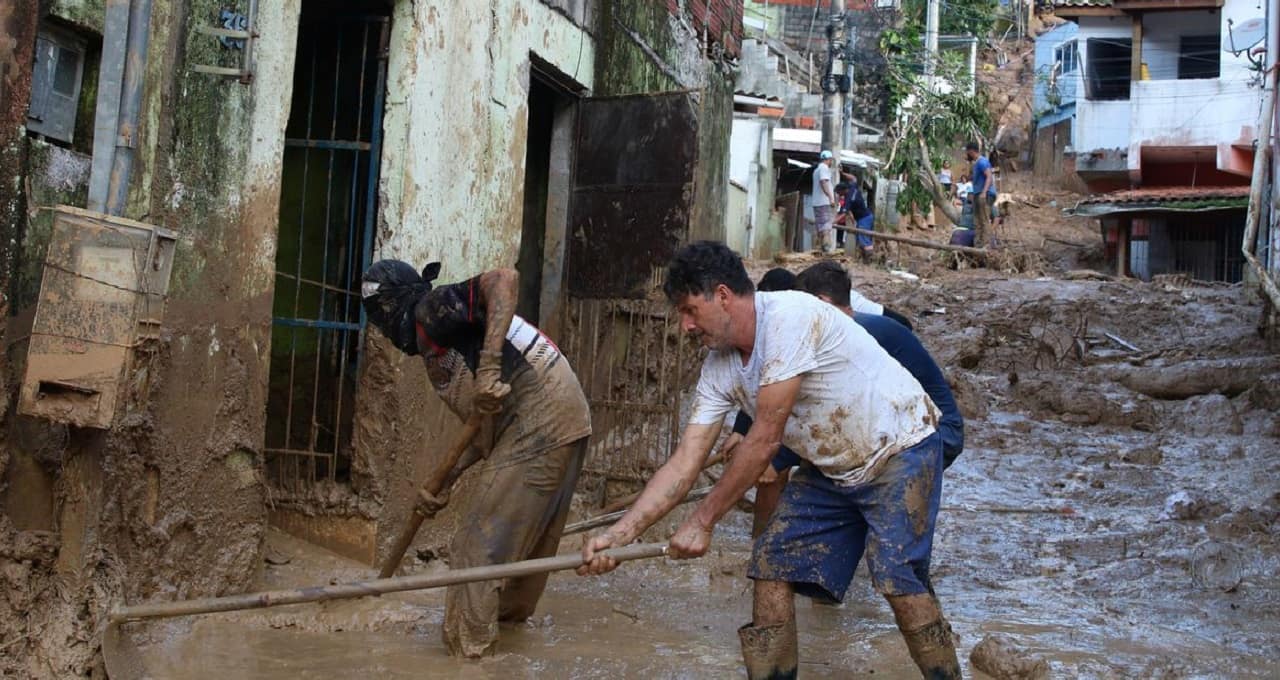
(857, 406)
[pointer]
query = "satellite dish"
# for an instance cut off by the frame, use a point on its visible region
(1244, 36)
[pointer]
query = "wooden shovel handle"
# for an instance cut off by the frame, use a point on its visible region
(432, 486)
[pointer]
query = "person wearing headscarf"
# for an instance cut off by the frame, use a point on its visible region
(484, 359)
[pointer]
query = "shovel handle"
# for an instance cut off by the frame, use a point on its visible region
(275, 598)
(431, 486)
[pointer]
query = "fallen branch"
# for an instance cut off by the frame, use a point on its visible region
(1065, 242)
(1088, 274)
(915, 241)
(1191, 378)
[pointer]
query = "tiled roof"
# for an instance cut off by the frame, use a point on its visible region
(1169, 195)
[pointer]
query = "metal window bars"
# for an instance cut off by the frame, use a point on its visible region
(327, 219)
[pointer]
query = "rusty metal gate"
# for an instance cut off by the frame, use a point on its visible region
(635, 367)
(328, 209)
(633, 193)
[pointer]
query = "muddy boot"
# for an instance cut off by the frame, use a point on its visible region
(769, 651)
(934, 651)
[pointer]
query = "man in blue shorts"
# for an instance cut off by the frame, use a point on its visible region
(871, 475)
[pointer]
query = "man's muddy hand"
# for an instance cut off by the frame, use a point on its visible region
(593, 562)
(730, 446)
(488, 399)
(490, 390)
(691, 540)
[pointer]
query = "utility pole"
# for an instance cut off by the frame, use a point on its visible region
(833, 83)
(931, 42)
(846, 123)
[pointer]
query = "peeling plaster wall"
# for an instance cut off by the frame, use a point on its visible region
(456, 116)
(171, 502)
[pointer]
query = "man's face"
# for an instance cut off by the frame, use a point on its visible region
(706, 317)
(971, 154)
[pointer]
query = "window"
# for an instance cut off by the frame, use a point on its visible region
(1198, 57)
(55, 84)
(1067, 57)
(1107, 63)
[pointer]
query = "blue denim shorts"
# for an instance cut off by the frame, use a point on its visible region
(821, 530)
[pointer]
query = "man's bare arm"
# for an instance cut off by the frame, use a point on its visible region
(670, 483)
(773, 408)
(664, 491)
(499, 293)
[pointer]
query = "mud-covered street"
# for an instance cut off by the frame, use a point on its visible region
(305, 304)
(1108, 532)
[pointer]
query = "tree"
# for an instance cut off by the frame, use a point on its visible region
(932, 120)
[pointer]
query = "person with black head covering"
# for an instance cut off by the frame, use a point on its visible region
(483, 358)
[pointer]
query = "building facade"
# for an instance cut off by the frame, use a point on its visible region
(1149, 98)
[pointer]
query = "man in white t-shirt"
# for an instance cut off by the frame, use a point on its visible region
(871, 477)
(823, 200)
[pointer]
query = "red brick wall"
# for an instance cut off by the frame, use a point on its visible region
(721, 19)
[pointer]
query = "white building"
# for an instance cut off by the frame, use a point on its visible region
(1166, 96)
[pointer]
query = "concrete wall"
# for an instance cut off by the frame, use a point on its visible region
(754, 232)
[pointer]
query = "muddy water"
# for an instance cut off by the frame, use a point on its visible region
(1082, 524)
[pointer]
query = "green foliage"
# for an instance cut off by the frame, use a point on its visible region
(943, 120)
(956, 17)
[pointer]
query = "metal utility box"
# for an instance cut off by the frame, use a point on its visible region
(97, 318)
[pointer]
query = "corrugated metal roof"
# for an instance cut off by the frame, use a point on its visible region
(1081, 3)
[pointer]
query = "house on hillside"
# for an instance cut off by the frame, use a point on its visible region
(1147, 105)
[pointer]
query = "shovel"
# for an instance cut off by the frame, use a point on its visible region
(124, 662)
(431, 486)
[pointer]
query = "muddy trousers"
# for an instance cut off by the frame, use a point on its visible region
(516, 512)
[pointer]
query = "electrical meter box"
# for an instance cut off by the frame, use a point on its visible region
(97, 318)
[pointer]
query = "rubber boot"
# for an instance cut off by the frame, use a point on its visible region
(769, 651)
(934, 651)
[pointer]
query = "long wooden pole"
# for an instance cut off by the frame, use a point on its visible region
(275, 598)
(916, 242)
(433, 486)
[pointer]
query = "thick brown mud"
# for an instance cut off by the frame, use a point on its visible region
(1107, 532)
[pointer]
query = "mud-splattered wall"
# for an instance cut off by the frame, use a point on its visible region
(171, 501)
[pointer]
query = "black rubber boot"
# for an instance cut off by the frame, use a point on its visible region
(934, 651)
(770, 651)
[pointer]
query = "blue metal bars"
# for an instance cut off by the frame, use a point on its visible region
(328, 212)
